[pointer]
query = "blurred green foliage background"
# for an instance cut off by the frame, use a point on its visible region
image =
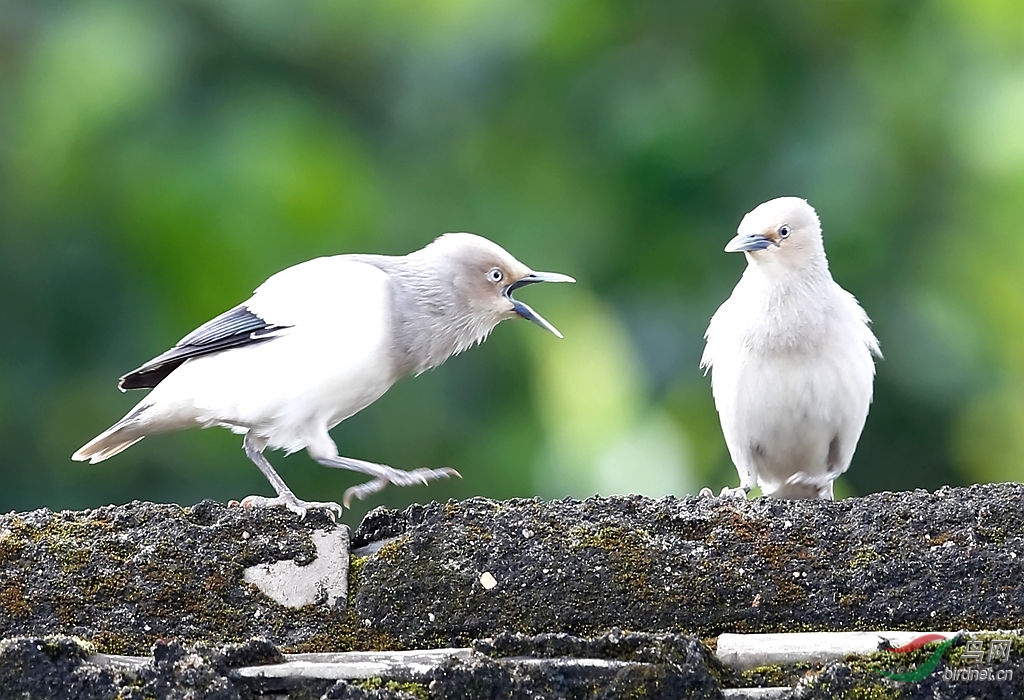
(159, 160)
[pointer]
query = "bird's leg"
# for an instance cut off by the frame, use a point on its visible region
(382, 475)
(254, 447)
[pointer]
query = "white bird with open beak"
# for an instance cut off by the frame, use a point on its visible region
(790, 354)
(319, 342)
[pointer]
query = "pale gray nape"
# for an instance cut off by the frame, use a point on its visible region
(424, 335)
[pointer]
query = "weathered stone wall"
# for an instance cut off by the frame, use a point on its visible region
(947, 560)
(199, 584)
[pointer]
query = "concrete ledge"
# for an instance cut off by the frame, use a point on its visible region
(617, 664)
(953, 559)
(538, 590)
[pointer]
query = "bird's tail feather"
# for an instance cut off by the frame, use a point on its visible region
(106, 445)
(803, 485)
(117, 438)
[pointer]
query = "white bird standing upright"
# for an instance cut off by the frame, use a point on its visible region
(790, 354)
(319, 342)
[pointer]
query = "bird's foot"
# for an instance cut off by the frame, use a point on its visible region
(289, 501)
(397, 477)
(738, 493)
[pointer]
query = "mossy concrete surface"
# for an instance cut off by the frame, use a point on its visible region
(517, 580)
(953, 559)
(616, 665)
(124, 577)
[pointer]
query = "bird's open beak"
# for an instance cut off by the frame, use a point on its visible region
(747, 242)
(524, 310)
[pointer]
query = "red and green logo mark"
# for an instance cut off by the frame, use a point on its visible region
(930, 664)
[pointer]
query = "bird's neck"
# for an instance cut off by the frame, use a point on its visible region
(782, 278)
(792, 309)
(430, 322)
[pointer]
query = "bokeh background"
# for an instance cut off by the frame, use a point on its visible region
(159, 160)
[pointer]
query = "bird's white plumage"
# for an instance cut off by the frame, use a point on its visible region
(318, 342)
(790, 353)
(330, 363)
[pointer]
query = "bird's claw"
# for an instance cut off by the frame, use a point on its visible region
(295, 505)
(738, 493)
(362, 491)
(397, 477)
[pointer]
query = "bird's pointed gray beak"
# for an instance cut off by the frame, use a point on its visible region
(746, 242)
(523, 309)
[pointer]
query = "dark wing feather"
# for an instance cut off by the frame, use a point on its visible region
(235, 328)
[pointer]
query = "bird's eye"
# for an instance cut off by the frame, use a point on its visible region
(784, 231)
(495, 275)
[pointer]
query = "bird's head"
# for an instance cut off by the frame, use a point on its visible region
(781, 233)
(485, 275)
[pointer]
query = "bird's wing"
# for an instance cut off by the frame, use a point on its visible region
(339, 292)
(234, 328)
(721, 323)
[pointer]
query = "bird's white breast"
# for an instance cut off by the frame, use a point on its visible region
(789, 376)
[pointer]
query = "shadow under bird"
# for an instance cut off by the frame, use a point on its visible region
(790, 354)
(319, 342)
